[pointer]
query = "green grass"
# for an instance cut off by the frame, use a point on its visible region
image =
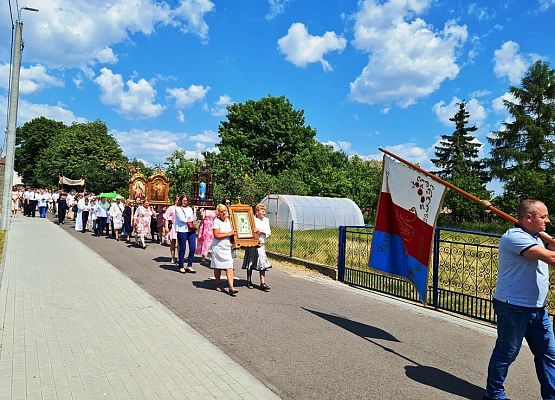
(2, 241)
(468, 265)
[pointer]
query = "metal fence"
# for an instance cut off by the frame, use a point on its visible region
(318, 245)
(461, 280)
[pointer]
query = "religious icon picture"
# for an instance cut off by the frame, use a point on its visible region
(242, 220)
(139, 189)
(244, 228)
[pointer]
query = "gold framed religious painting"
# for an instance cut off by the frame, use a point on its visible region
(242, 221)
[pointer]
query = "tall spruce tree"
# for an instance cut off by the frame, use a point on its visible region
(458, 153)
(524, 150)
(457, 158)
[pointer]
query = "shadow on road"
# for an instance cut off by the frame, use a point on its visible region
(444, 381)
(423, 374)
(359, 329)
(210, 283)
(170, 267)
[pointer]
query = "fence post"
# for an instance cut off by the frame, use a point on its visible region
(342, 243)
(435, 269)
(291, 240)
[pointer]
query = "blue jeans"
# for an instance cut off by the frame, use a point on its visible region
(513, 324)
(182, 239)
(42, 211)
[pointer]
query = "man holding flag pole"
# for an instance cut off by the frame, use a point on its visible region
(402, 243)
(519, 301)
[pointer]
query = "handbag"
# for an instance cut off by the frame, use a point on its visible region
(191, 225)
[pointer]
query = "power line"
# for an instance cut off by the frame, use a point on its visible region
(4, 143)
(11, 15)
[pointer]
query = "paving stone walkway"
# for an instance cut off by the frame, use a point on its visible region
(74, 327)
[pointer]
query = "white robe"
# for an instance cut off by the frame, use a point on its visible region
(116, 214)
(79, 216)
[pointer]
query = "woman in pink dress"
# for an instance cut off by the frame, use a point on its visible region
(169, 217)
(205, 234)
(143, 215)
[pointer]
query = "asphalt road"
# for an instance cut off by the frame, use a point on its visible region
(313, 338)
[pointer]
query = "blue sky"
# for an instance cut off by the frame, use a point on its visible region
(368, 74)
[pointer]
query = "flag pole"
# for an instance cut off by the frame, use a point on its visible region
(484, 203)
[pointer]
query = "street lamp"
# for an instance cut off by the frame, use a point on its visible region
(12, 119)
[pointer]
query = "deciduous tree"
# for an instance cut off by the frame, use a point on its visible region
(84, 150)
(32, 139)
(268, 132)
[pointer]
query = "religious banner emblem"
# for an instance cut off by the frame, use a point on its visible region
(408, 207)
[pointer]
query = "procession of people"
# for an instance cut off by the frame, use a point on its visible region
(204, 232)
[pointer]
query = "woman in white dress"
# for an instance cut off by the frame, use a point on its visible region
(221, 249)
(78, 215)
(116, 215)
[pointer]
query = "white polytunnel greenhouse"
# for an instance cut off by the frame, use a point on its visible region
(310, 212)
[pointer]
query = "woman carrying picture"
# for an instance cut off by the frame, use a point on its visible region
(221, 248)
(255, 257)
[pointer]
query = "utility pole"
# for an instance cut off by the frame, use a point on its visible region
(12, 122)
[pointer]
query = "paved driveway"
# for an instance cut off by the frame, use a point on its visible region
(313, 338)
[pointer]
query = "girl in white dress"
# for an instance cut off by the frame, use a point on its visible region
(255, 257)
(221, 248)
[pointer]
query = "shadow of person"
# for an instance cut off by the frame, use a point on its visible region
(423, 374)
(170, 267)
(206, 284)
(161, 259)
(358, 328)
(444, 381)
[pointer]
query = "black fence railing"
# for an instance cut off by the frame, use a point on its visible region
(461, 279)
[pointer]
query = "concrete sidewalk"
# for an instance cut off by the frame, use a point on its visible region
(74, 327)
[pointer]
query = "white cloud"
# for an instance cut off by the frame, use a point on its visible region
(277, 7)
(31, 79)
(475, 48)
(482, 13)
(339, 145)
(78, 81)
(138, 100)
(498, 105)
(72, 33)
(509, 63)
(546, 4)
(301, 48)
(180, 116)
(106, 56)
(192, 13)
(445, 111)
(480, 93)
(410, 152)
(187, 97)
(156, 145)
(26, 111)
(409, 59)
(153, 145)
(220, 107)
(208, 136)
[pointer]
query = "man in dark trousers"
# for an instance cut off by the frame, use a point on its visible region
(62, 208)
